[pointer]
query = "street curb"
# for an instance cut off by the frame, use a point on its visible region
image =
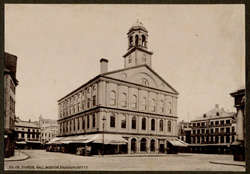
(19, 159)
(227, 163)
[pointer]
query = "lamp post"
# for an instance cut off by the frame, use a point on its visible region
(103, 125)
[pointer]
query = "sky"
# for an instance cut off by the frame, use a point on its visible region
(198, 49)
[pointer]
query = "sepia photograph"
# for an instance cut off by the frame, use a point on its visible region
(124, 87)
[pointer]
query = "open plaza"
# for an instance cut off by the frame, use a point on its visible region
(42, 160)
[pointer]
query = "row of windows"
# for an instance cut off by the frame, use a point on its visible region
(48, 134)
(72, 126)
(77, 104)
(143, 40)
(212, 123)
(143, 125)
(213, 139)
(215, 130)
(30, 135)
(144, 102)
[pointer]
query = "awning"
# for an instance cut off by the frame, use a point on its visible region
(179, 143)
(38, 142)
(236, 143)
(54, 141)
(21, 142)
(108, 139)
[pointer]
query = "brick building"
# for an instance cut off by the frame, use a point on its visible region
(27, 134)
(213, 132)
(130, 110)
(10, 83)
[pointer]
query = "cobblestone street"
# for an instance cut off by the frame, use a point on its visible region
(42, 160)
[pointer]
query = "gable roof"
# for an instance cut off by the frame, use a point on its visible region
(144, 65)
(21, 123)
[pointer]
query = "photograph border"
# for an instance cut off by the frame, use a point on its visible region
(184, 2)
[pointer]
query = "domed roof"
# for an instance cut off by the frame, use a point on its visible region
(138, 24)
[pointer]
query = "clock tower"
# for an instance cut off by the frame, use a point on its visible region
(137, 53)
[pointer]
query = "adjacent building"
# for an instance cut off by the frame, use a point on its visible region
(27, 134)
(49, 129)
(10, 83)
(213, 132)
(184, 132)
(130, 110)
(240, 143)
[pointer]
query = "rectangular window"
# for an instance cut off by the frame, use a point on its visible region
(93, 121)
(112, 121)
(94, 100)
(228, 129)
(193, 131)
(233, 129)
(212, 123)
(83, 123)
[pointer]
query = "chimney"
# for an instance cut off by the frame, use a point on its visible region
(217, 105)
(104, 65)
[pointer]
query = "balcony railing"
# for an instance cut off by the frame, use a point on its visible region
(233, 133)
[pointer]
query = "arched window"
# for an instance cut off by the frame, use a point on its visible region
(93, 120)
(152, 145)
(143, 144)
(68, 107)
(153, 124)
(143, 40)
(169, 107)
(134, 122)
(123, 121)
(169, 126)
(112, 121)
(143, 125)
(112, 97)
(79, 102)
(161, 125)
(161, 106)
(71, 106)
(133, 145)
(88, 121)
(131, 40)
(134, 102)
(144, 103)
(124, 100)
(88, 103)
(136, 39)
(83, 101)
(75, 104)
(153, 105)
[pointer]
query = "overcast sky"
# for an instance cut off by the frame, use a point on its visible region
(198, 49)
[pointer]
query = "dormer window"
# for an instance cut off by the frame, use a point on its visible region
(204, 115)
(217, 113)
